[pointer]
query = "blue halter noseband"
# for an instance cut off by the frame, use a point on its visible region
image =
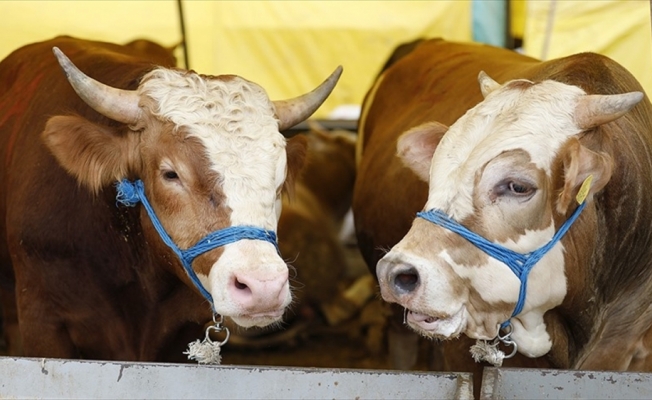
(519, 263)
(130, 193)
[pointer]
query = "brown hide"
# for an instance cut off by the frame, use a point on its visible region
(311, 219)
(153, 51)
(412, 92)
(45, 208)
(88, 282)
(329, 170)
(603, 320)
(399, 52)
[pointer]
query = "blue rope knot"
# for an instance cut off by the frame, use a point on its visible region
(131, 193)
(127, 193)
(520, 264)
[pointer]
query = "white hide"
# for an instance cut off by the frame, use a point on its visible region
(537, 119)
(538, 125)
(235, 121)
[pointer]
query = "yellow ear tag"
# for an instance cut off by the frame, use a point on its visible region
(584, 190)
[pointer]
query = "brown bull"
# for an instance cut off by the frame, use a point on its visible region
(505, 159)
(202, 163)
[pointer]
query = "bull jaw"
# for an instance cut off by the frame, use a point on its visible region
(437, 328)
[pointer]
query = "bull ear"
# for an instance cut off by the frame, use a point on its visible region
(579, 163)
(93, 154)
(416, 147)
(296, 149)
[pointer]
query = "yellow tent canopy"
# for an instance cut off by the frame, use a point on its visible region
(290, 46)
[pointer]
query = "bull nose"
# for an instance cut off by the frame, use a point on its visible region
(396, 277)
(404, 280)
(254, 294)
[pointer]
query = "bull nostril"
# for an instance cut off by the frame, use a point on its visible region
(406, 281)
(255, 294)
(241, 286)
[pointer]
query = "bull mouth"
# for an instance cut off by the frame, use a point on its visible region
(437, 327)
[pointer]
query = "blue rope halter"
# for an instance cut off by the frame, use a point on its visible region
(519, 263)
(130, 193)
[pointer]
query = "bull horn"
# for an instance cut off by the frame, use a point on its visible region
(487, 85)
(291, 112)
(596, 109)
(117, 104)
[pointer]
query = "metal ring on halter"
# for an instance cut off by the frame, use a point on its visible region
(510, 342)
(218, 328)
(509, 329)
(506, 339)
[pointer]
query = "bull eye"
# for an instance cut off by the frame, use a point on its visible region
(170, 175)
(519, 188)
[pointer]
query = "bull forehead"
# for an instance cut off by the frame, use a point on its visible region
(536, 118)
(234, 120)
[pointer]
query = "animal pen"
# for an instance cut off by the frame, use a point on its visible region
(82, 379)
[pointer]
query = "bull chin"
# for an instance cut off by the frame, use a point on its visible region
(260, 321)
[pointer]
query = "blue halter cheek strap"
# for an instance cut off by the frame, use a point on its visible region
(130, 193)
(519, 263)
